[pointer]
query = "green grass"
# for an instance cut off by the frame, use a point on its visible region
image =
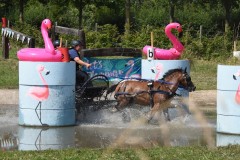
(158, 153)
(204, 74)
(9, 73)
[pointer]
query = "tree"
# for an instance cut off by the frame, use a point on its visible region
(21, 4)
(171, 10)
(127, 14)
(228, 5)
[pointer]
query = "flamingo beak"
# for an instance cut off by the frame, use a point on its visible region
(180, 34)
(46, 71)
(234, 77)
(152, 69)
(49, 26)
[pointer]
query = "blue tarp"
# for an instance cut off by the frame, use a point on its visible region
(115, 69)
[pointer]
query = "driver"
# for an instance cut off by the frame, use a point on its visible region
(81, 76)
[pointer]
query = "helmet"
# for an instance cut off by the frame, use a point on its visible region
(75, 43)
(56, 43)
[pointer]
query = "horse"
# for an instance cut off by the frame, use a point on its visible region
(154, 93)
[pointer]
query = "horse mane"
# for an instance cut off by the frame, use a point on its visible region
(171, 71)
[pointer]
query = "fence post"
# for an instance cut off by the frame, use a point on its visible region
(200, 34)
(31, 43)
(53, 33)
(5, 40)
(5, 46)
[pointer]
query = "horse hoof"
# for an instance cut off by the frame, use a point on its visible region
(113, 109)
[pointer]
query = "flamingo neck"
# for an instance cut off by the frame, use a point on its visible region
(176, 43)
(157, 75)
(47, 41)
(128, 72)
(43, 80)
(238, 90)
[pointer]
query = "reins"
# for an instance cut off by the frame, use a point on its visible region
(160, 80)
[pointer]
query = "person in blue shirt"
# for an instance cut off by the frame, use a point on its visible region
(81, 76)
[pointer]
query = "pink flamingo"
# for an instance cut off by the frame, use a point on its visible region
(159, 69)
(47, 54)
(40, 93)
(172, 53)
(237, 96)
(131, 64)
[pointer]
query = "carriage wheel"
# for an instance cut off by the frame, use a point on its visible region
(92, 91)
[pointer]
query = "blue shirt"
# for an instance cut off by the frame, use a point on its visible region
(73, 54)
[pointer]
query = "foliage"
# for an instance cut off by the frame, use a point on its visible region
(145, 14)
(156, 14)
(106, 36)
(208, 48)
(35, 13)
(29, 30)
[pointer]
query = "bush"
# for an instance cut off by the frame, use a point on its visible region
(106, 36)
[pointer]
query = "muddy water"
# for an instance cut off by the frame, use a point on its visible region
(103, 129)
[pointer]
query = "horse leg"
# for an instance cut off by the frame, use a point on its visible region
(122, 101)
(163, 106)
(152, 112)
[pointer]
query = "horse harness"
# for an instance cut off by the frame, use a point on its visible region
(151, 92)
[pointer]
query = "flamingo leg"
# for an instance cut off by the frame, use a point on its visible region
(39, 116)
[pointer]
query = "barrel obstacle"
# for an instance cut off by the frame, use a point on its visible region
(228, 99)
(46, 95)
(46, 85)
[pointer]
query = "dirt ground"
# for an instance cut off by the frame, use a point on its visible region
(204, 97)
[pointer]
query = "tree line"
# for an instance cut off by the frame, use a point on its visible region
(132, 19)
(128, 13)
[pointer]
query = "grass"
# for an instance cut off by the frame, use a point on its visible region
(166, 153)
(204, 74)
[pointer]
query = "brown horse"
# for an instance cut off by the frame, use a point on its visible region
(154, 93)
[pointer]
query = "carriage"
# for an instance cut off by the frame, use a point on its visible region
(92, 93)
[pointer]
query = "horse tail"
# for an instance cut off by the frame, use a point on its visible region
(112, 88)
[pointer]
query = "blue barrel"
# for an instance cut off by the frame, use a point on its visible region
(46, 93)
(228, 99)
(227, 139)
(32, 138)
(150, 69)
